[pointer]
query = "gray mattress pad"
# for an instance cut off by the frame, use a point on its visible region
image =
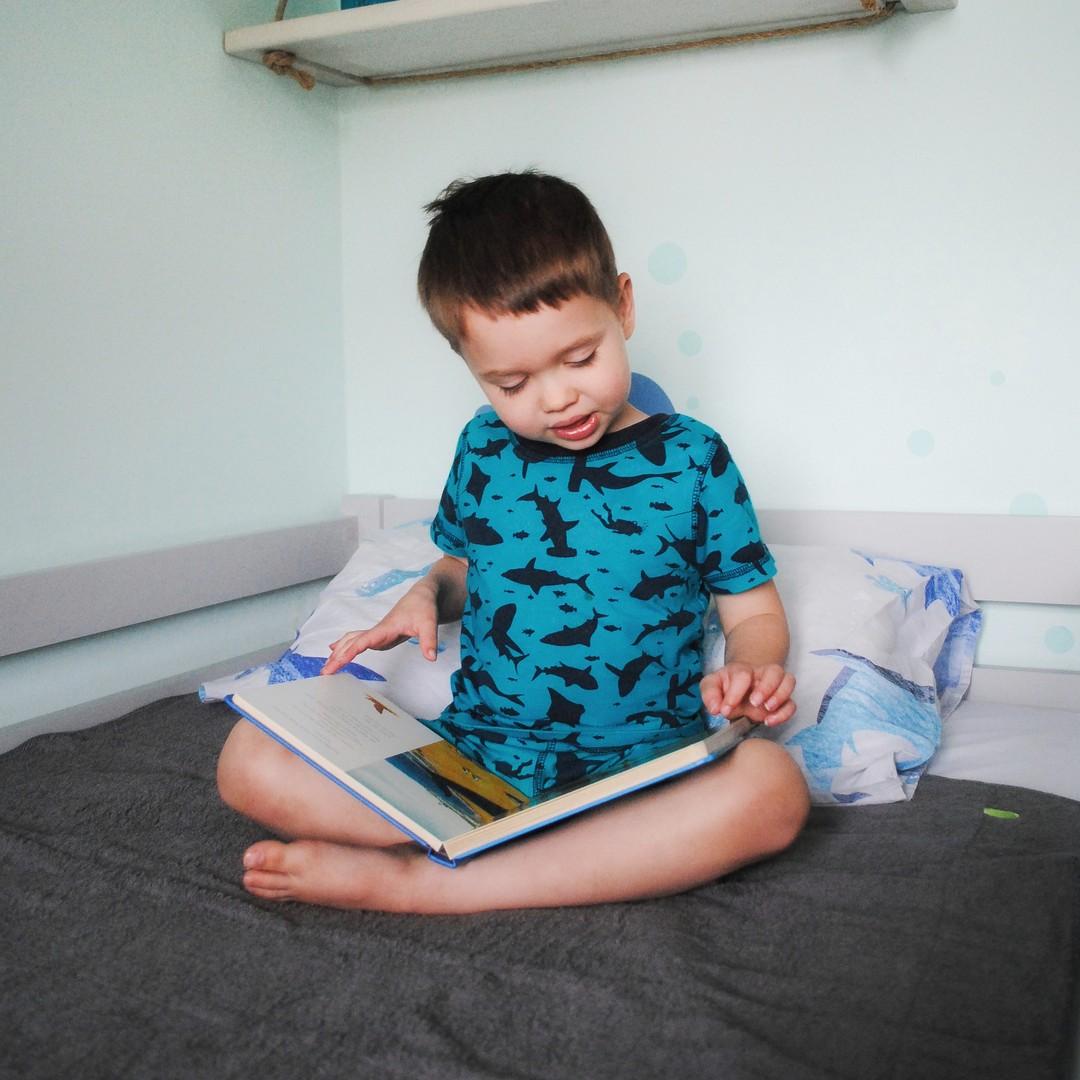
(916, 940)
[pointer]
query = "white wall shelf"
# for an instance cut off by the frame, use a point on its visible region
(411, 39)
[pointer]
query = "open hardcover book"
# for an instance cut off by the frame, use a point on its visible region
(418, 781)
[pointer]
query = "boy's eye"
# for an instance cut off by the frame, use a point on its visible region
(510, 390)
(584, 363)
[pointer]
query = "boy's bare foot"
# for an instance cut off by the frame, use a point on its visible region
(336, 875)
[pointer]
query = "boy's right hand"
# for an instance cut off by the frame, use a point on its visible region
(414, 615)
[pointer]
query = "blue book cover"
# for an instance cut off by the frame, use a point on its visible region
(415, 779)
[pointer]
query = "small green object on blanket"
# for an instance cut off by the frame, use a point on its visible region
(1005, 815)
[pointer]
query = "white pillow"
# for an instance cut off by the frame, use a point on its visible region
(882, 650)
(384, 568)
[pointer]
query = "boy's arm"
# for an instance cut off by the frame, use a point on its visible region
(447, 579)
(438, 597)
(752, 682)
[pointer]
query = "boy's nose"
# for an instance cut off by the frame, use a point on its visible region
(557, 395)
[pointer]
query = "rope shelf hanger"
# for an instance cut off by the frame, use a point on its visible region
(282, 62)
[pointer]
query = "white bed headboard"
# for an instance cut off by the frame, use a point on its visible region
(1007, 559)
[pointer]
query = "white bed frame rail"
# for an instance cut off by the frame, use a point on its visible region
(46, 607)
(1007, 559)
(1010, 559)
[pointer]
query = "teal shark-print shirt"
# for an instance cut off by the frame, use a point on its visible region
(589, 576)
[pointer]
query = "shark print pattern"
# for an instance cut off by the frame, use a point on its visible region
(589, 576)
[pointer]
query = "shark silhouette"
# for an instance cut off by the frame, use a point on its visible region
(499, 635)
(675, 621)
(720, 460)
(667, 719)
(493, 448)
(555, 525)
(482, 679)
(648, 587)
(654, 450)
(711, 564)
(537, 579)
(754, 553)
(478, 530)
(684, 547)
(576, 635)
(446, 506)
(571, 676)
(603, 476)
(522, 455)
(676, 689)
(630, 675)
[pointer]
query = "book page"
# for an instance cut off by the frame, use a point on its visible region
(340, 718)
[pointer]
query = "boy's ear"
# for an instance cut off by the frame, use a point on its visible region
(627, 313)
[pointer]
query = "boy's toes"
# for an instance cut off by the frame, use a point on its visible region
(265, 873)
(268, 886)
(265, 855)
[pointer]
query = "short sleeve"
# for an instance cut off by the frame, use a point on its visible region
(732, 557)
(447, 532)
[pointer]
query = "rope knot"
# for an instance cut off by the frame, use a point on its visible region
(282, 63)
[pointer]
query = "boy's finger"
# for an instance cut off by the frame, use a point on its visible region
(738, 685)
(781, 716)
(711, 693)
(782, 693)
(766, 685)
(343, 650)
(429, 641)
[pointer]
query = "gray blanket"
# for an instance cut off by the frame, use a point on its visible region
(922, 940)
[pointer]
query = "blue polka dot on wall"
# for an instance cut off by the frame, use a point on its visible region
(1059, 639)
(690, 343)
(667, 263)
(921, 443)
(1028, 502)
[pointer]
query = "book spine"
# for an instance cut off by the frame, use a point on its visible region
(441, 858)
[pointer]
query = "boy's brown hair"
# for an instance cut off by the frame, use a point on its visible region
(512, 243)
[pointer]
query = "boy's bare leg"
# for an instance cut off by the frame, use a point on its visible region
(262, 780)
(749, 805)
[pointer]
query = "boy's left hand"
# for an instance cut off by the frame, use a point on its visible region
(761, 694)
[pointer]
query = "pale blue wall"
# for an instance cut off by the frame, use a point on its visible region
(855, 253)
(172, 365)
(171, 369)
(873, 292)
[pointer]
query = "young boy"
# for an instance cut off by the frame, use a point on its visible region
(582, 540)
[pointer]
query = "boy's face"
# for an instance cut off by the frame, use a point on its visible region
(558, 375)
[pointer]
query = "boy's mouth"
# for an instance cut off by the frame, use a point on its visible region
(580, 427)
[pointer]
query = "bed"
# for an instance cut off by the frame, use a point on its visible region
(933, 936)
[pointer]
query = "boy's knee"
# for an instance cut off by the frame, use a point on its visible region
(780, 800)
(243, 760)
